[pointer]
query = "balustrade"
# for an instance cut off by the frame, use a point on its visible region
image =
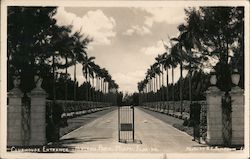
(74, 108)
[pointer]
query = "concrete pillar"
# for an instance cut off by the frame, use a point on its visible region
(214, 116)
(14, 118)
(237, 97)
(38, 117)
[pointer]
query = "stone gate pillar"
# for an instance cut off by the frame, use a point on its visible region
(237, 97)
(214, 116)
(38, 116)
(14, 118)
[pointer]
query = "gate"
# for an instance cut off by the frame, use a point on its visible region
(126, 131)
(198, 119)
(195, 110)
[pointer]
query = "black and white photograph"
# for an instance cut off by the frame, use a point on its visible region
(124, 79)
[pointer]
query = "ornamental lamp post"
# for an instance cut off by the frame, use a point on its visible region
(213, 78)
(235, 77)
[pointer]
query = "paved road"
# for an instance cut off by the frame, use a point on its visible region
(102, 135)
(79, 121)
(163, 117)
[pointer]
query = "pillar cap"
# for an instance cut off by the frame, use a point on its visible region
(38, 92)
(236, 90)
(15, 92)
(213, 90)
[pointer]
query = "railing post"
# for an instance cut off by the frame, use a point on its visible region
(14, 118)
(237, 98)
(38, 115)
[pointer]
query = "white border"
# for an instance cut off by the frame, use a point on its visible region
(77, 3)
(128, 3)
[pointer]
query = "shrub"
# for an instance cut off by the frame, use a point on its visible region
(186, 122)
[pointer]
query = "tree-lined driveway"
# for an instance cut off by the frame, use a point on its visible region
(155, 135)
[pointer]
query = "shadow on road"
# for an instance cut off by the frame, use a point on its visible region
(77, 122)
(80, 140)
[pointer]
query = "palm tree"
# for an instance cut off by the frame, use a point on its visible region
(159, 60)
(113, 87)
(103, 75)
(87, 70)
(179, 52)
(149, 76)
(59, 38)
(156, 71)
(97, 70)
(166, 64)
(66, 52)
(107, 83)
(142, 88)
(153, 82)
(94, 70)
(146, 88)
(189, 39)
(173, 64)
(80, 46)
(177, 56)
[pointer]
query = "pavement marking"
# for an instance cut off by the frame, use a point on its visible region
(108, 121)
(145, 121)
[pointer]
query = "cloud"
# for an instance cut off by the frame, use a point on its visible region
(137, 30)
(128, 81)
(174, 15)
(94, 23)
(156, 49)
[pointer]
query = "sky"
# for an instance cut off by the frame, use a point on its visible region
(126, 40)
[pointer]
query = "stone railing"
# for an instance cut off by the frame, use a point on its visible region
(69, 109)
(172, 105)
(172, 108)
(57, 114)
